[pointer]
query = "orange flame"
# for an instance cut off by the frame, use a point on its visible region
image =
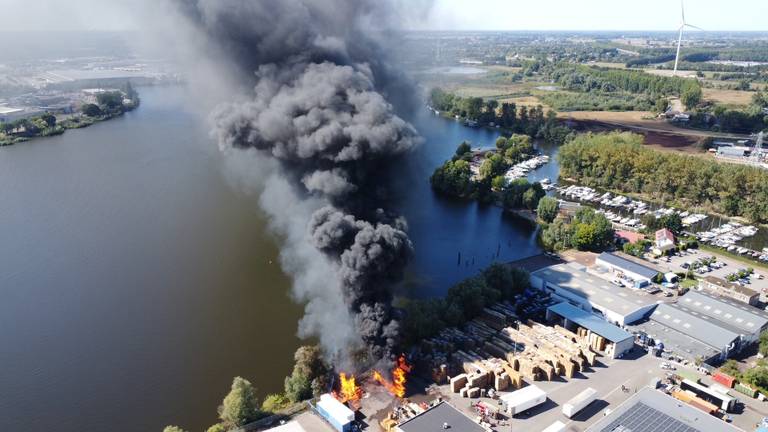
(348, 389)
(397, 385)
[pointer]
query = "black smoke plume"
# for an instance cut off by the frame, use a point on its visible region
(320, 109)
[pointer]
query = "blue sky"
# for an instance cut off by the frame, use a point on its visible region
(594, 15)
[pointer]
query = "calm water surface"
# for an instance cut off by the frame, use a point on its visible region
(136, 282)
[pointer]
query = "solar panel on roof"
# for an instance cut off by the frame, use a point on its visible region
(642, 418)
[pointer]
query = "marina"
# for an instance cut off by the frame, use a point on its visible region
(627, 213)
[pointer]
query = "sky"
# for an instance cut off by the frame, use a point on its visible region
(748, 15)
(713, 15)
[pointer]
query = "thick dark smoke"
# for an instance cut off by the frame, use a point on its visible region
(320, 109)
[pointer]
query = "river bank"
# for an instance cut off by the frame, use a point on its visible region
(110, 105)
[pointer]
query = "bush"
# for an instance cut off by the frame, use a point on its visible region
(275, 402)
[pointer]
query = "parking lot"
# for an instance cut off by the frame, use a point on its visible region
(676, 264)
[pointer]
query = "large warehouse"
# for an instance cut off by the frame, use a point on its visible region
(651, 411)
(574, 284)
(640, 274)
(703, 327)
(618, 340)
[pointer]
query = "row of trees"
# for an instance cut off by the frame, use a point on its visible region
(721, 118)
(607, 80)
(586, 230)
(425, 318)
(310, 377)
(619, 162)
(570, 101)
(532, 121)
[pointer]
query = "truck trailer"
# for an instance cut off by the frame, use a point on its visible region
(523, 399)
(579, 402)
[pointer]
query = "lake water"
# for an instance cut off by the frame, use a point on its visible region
(136, 282)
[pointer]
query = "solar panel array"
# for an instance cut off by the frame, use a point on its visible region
(642, 418)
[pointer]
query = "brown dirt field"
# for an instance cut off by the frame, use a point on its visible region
(728, 97)
(611, 116)
(656, 138)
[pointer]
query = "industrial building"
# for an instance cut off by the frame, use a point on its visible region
(700, 326)
(640, 274)
(442, 416)
(650, 411)
(335, 413)
(722, 287)
(576, 285)
(618, 340)
(292, 426)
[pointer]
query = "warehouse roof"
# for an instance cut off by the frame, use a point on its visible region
(595, 289)
(704, 330)
(736, 316)
(683, 344)
(653, 411)
(628, 265)
(432, 420)
(590, 322)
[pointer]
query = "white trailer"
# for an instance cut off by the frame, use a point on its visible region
(557, 426)
(523, 399)
(579, 402)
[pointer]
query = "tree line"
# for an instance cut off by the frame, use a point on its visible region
(587, 79)
(532, 121)
(464, 301)
(619, 162)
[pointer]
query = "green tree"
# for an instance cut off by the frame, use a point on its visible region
(218, 427)
(240, 406)
(91, 110)
(672, 222)
(463, 149)
(111, 100)
(584, 236)
(49, 119)
(275, 402)
(547, 209)
(499, 182)
(691, 96)
(173, 429)
(530, 199)
(661, 104)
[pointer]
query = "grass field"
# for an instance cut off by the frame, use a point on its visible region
(609, 65)
(527, 101)
(728, 97)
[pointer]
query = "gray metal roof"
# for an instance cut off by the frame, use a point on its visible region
(681, 343)
(653, 411)
(736, 316)
(432, 421)
(704, 330)
(591, 322)
(628, 265)
(595, 289)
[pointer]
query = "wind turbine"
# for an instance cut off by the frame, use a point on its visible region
(683, 25)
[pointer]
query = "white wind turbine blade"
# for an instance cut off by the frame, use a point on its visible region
(682, 12)
(694, 27)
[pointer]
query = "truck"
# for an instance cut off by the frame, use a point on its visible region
(579, 402)
(523, 399)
